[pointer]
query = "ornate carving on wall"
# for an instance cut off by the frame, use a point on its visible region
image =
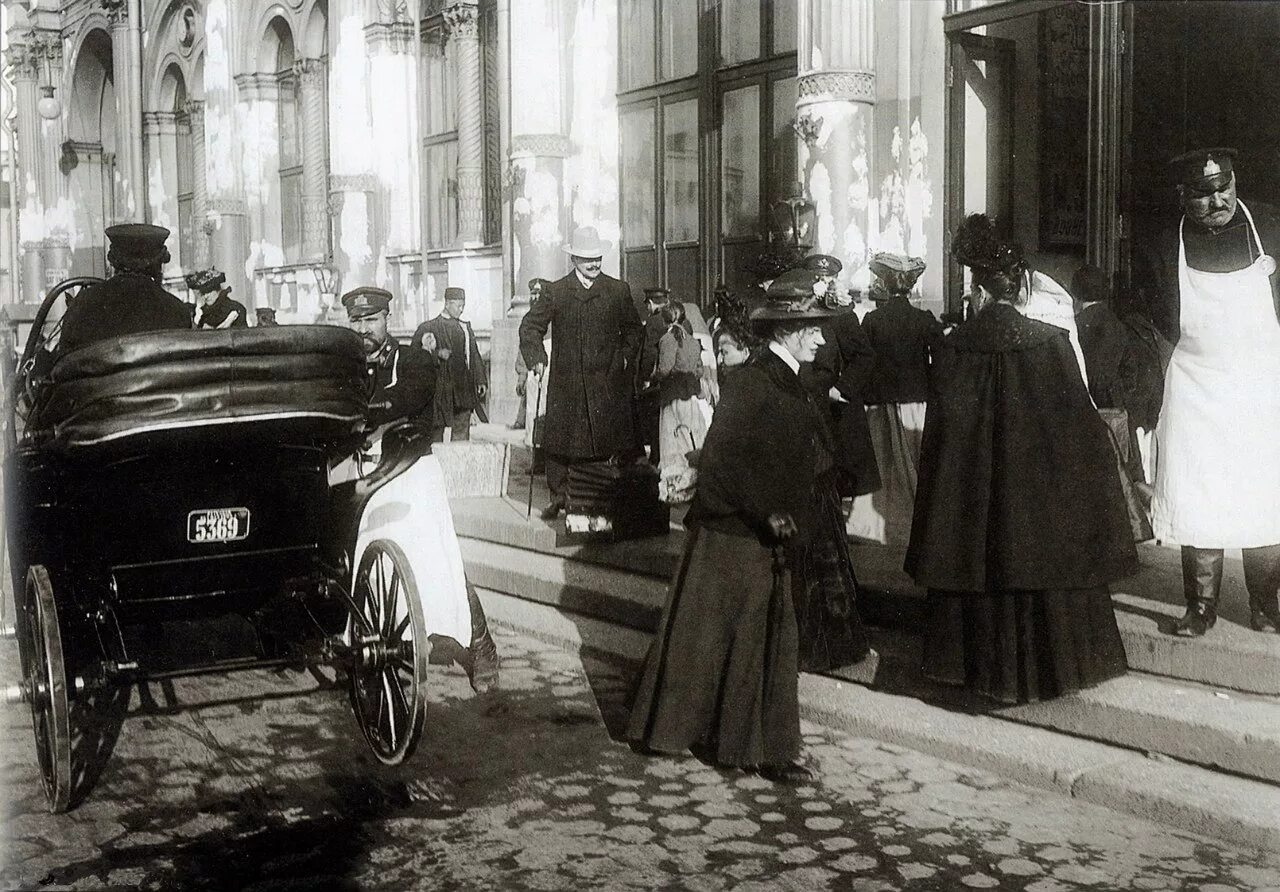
(188, 27)
(352, 182)
(544, 145)
(117, 11)
(462, 19)
(38, 46)
(837, 86)
(259, 85)
(389, 37)
(807, 127)
(227, 207)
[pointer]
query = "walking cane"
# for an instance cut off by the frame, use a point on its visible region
(537, 410)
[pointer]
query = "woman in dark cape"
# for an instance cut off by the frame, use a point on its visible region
(1019, 521)
(722, 672)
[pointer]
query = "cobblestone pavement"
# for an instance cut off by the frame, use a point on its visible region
(261, 781)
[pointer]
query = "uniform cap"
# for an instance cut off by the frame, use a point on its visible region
(452, 293)
(137, 245)
(1203, 171)
(823, 263)
(367, 300)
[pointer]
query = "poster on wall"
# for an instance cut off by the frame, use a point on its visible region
(1064, 126)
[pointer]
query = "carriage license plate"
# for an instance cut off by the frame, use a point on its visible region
(218, 525)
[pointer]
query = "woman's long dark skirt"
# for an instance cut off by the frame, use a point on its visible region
(721, 673)
(831, 632)
(1022, 646)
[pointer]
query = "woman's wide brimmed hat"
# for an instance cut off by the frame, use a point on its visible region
(898, 272)
(798, 295)
(586, 242)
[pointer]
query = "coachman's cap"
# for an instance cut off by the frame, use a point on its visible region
(1203, 171)
(798, 294)
(452, 293)
(137, 245)
(366, 300)
(823, 264)
(206, 280)
(657, 294)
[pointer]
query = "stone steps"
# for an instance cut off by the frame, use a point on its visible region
(1231, 656)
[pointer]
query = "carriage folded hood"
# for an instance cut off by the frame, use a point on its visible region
(296, 383)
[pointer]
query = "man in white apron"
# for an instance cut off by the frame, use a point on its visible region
(1218, 458)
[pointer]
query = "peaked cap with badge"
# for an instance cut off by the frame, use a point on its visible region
(367, 300)
(1203, 171)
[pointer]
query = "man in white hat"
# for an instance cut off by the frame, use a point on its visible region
(596, 335)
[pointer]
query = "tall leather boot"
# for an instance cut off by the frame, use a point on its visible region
(483, 668)
(1262, 579)
(1201, 582)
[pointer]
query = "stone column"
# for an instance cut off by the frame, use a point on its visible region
(224, 216)
(26, 63)
(199, 185)
(833, 119)
(315, 159)
(160, 130)
(126, 58)
(462, 18)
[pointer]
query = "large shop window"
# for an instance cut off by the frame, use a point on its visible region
(707, 94)
(1018, 133)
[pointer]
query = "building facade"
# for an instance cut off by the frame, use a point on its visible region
(309, 146)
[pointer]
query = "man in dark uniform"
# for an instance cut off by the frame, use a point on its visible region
(131, 301)
(464, 381)
(1211, 287)
(595, 338)
(401, 386)
(217, 309)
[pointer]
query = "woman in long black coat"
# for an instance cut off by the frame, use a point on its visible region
(722, 673)
(1019, 520)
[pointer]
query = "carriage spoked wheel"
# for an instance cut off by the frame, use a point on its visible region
(388, 675)
(45, 673)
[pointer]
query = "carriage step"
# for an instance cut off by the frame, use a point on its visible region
(8, 631)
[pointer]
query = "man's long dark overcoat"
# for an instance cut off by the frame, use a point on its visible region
(1018, 484)
(595, 337)
(845, 362)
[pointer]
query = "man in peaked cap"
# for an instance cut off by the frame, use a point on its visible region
(131, 301)
(596, 334)
(217, 309)
(401, 386)
(464, 380)
(1210, 284)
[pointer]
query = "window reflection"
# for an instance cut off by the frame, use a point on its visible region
(739, 31)
(638, 174)
(679, 38)
(680, 171)
(740, 162)
(635, 63)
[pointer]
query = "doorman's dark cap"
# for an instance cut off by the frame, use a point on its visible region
(658, 294)
(1203, 171)
(366, 301)
(137, 245)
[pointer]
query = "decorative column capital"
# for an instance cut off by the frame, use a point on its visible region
(37, 46)
(462, 19)
(117, 12)
(389, 37)
(310, 73)
(837, 86)
(193, 108)
(258, 86)
(159, 123)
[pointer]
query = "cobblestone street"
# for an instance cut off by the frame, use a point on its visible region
(213, 785)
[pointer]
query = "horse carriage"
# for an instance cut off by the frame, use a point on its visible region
(172, 510)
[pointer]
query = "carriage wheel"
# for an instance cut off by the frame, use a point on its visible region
(389, 632)
(46, 673)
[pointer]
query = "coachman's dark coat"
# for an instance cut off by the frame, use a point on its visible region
(1018, 485)
(402, 384)
(595, 337)
(845, 362)
(127, 303)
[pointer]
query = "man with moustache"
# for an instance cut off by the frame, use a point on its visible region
(1213, 292)
(596, 335)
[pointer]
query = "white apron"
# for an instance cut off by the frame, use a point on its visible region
(1218, 439)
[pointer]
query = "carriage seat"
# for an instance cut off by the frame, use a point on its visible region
(289, 384)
